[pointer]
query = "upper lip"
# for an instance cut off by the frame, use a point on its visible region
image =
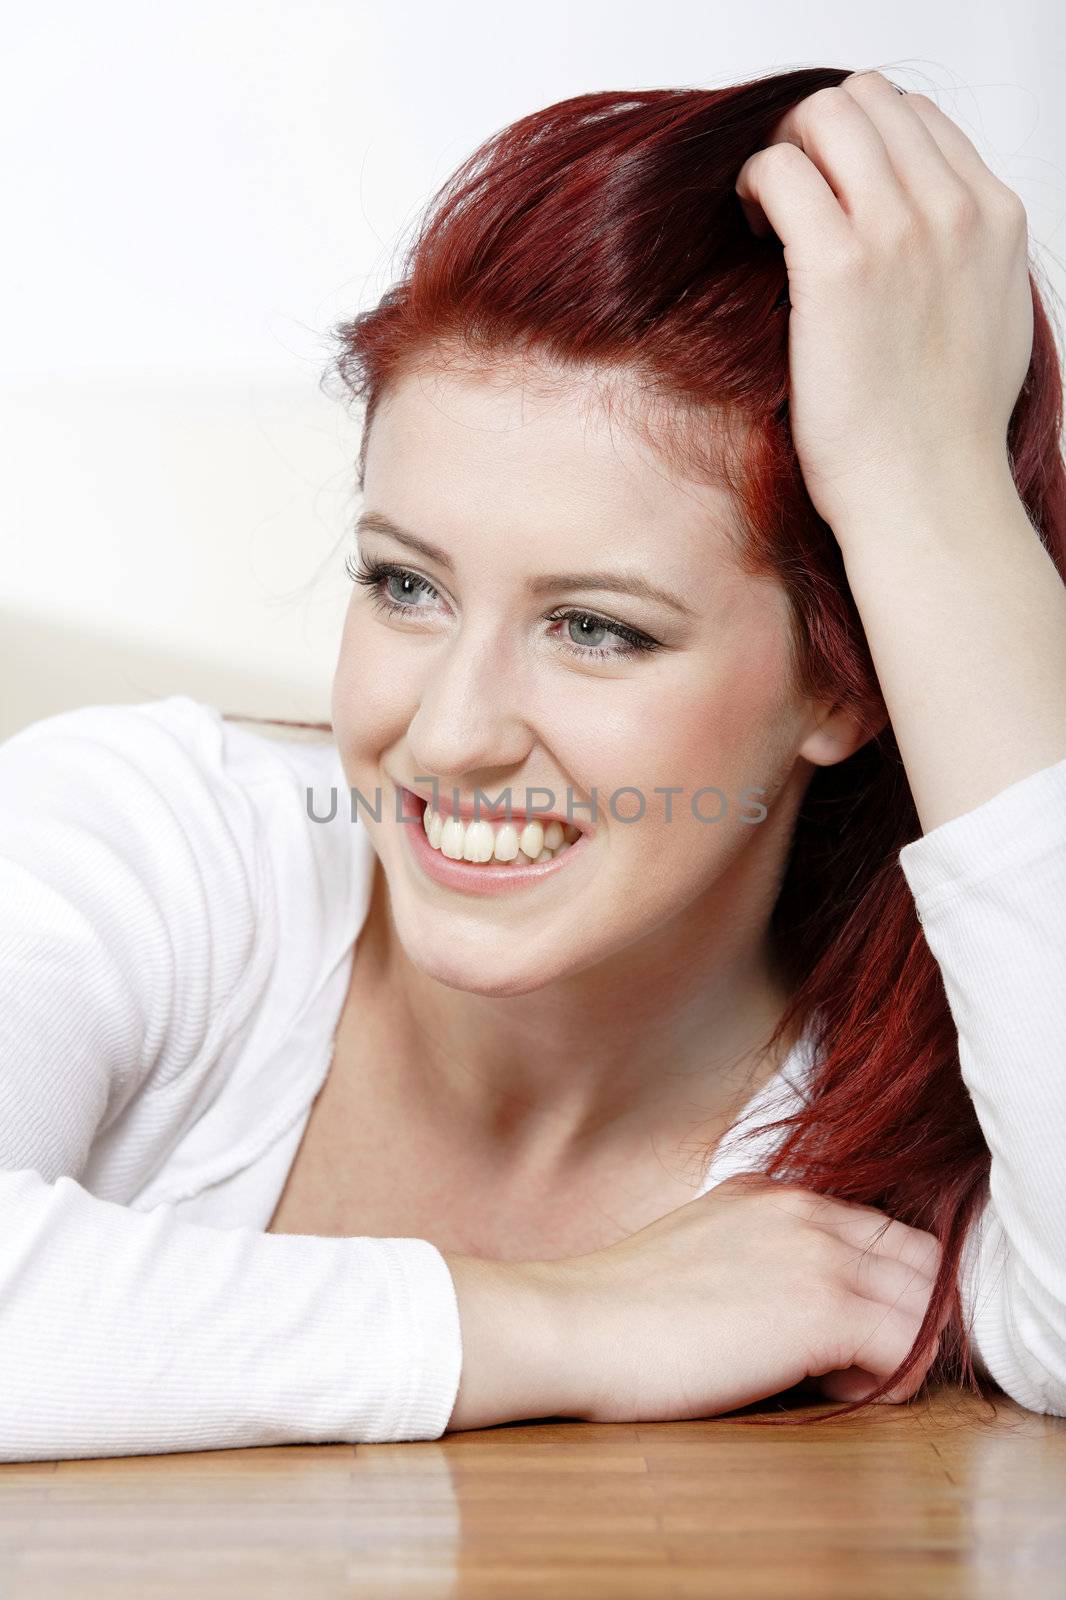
(485, 812)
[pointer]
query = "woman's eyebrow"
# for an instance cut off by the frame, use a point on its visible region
(614, 582)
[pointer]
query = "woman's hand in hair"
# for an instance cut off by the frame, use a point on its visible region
(734, 1297)
(911, 323)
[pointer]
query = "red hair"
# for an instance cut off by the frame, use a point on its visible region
(602, 235)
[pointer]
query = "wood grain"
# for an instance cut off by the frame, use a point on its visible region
(949, 1496)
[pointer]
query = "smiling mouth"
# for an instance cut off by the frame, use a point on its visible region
(481, 842)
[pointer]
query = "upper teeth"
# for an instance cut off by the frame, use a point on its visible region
(482, 841)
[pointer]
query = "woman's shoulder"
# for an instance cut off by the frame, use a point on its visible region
(177, 754)
(145, 784)
(210, 820)
(159, 869)
(164, 738)
(122, 844)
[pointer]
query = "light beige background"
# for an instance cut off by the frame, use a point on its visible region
(193, 194)
(184, 536)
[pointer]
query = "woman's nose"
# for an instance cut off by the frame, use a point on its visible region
(469, 717)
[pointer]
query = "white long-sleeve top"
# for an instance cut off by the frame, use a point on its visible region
(176, 941)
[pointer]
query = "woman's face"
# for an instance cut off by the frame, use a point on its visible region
(481, 683)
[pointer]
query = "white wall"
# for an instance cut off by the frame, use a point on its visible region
(193, 194)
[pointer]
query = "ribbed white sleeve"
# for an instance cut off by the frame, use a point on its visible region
(130, 1333)
(130, 893)
(990, 889)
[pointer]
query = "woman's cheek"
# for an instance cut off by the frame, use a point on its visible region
(719, 750)
(373, 692)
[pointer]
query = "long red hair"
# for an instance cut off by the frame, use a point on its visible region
(604, 233)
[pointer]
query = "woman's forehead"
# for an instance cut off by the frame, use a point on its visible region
(488, 445)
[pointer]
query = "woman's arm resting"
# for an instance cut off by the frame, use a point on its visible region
(516, 1357)
(132, 1333)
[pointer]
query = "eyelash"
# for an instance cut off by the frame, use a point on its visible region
(374, 574)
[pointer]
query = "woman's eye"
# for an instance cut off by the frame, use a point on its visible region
(396, 589)
(586, 626)
(408, 586)
(591, 629)
(377, 576)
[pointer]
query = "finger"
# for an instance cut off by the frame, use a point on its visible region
(881, 1235)
(781, 191)
(855, 1383)
(851, 1383)
(878, 1338)
(957, 148)
(924, 168)
(890, 1282)
(864, 1227)
(840, 145)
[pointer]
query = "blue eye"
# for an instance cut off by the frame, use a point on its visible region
(375, 576)
(634, 642)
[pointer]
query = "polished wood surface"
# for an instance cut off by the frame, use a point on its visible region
(943, 1497)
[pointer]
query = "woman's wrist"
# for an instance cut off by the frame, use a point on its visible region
(514, 1321)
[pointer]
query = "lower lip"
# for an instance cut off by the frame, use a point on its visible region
(486, 878)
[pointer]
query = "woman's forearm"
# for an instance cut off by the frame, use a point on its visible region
(965, 614)
(514, 1343)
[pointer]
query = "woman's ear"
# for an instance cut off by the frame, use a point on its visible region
(837, 732)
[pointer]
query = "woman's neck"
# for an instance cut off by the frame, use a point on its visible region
(667, 1037)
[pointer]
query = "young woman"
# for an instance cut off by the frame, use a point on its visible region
(723, 1051)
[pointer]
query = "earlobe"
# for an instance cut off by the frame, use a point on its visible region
(836, 734)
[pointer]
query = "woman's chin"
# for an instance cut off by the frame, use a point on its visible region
(477, 965)
(495, 980)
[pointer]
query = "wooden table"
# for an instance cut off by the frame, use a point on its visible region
(939, 1498)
